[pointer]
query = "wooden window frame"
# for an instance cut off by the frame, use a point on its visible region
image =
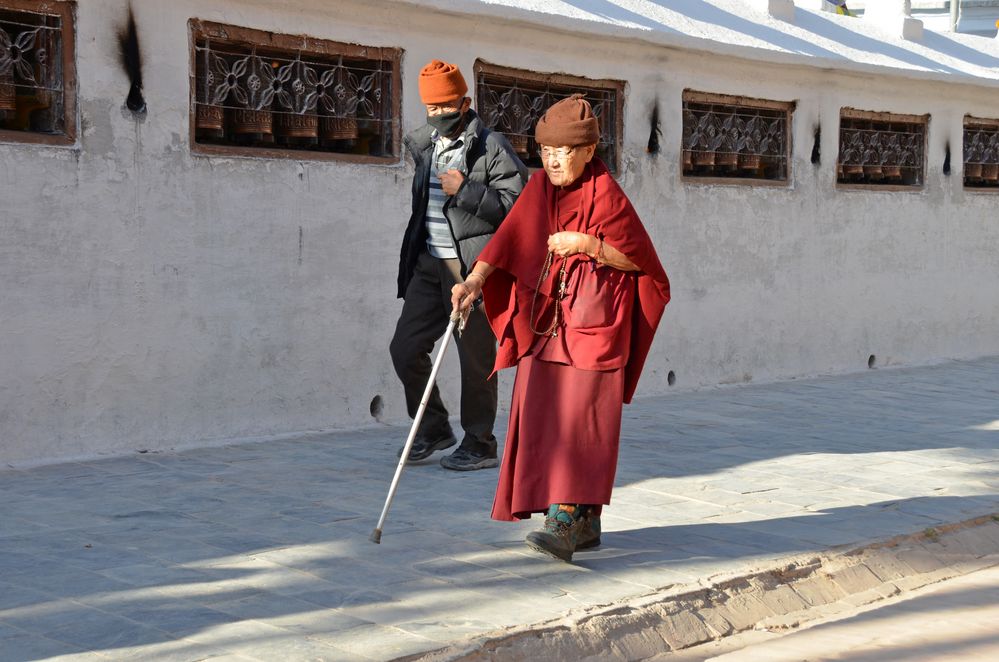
(199, 29)
(738, 101)
(971, 122)
(65, 10)
(617, 87)
(883, 116)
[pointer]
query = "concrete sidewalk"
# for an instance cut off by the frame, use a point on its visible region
(954, 620)
(261, 551)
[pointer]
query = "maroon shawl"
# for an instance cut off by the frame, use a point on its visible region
(520, 246)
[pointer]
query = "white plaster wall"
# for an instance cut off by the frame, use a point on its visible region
(157, 299)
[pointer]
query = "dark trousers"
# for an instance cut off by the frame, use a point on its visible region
(425, 314)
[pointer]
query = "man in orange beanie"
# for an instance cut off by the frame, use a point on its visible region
(467, 179)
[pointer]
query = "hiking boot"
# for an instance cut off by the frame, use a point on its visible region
(561, 531)
(424, 444)
(589, 534)
(466, 460)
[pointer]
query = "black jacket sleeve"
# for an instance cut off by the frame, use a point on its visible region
(506, 176)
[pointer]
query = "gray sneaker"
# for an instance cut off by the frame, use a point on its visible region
(465, 460)
(424, 445)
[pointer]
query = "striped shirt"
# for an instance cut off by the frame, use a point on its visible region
(447, 154)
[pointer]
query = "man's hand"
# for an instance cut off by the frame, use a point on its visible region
(451, 181)
(565, 244)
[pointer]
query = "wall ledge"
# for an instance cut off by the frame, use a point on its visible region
(780, 9)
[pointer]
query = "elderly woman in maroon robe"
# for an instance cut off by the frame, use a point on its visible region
(574, 291)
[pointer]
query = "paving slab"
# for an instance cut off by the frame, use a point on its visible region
(260, 551)
(954, 620)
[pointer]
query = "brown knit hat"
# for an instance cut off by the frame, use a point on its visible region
(570, 123)
(440, 82)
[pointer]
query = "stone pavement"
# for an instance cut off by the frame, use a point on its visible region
(955, 620)
(261, 552)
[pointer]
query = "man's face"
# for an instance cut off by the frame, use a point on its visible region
(565, 164)
(458, 103)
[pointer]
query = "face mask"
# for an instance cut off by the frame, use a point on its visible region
(447, 124)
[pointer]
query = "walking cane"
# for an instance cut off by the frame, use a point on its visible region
(456, 319)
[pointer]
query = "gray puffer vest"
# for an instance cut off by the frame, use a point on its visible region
(494, 177)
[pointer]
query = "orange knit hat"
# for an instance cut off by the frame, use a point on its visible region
(440, 82)
(569, 123)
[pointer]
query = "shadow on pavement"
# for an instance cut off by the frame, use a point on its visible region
(237, 546)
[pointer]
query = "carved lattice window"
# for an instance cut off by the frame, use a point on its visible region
(735, 137)
(37, 75)
(264, 94)
(513, 100)
(881, 149)
(981, 153)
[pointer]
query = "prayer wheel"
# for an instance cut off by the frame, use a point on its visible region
(209, 121)
(519, 143)
(873, 171)
(853, 170)
(749, 161)
(297, 128)
(892, 172)
(252, 122)
(704, 158)
(727, 159)
(8, 92)
(338, 128)
(374, 127)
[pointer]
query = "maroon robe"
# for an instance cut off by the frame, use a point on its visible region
(565, 418)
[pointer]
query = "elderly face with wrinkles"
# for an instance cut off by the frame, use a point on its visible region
(565, 164)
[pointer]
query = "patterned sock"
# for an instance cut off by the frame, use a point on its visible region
(567, 513)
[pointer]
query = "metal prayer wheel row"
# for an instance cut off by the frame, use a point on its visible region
(212, 120)
(988, 172)
(855, 171)
(731, 160)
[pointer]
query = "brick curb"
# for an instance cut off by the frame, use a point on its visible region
(792, 591)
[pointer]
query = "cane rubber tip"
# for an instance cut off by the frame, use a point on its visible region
(376, 536)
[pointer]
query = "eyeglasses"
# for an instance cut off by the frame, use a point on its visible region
(442, 110)
(547, 152)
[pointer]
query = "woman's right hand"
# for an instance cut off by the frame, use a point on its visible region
(463, 295)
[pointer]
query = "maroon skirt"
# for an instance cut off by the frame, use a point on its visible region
(562, 440)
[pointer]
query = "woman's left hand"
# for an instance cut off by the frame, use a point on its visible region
(565, 244)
